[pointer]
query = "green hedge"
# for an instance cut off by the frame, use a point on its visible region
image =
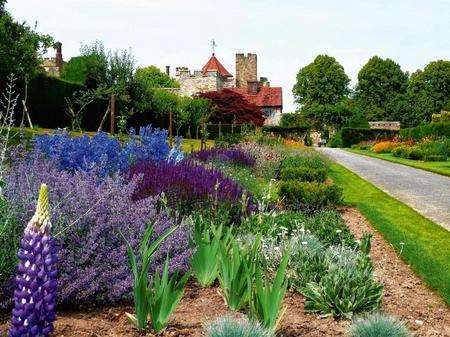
(286, 131)
(303, 174)
(437, 129)
(309, 196)
(352, 136)
(46, 104)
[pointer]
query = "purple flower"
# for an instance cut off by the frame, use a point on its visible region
(35, 294)
(88, 214)
(187, 185)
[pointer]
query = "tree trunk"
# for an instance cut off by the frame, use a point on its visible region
(113, 114)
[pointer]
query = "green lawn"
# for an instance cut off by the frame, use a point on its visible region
(440, 167)
(425, 244)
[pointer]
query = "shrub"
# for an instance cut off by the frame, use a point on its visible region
(335, 140)
(84, 153)
(305, 159)
(303, 174)
(188, 186)
(232, 156)
(235, 327)
(87, 216)
(444, 116)
(434, 157)
(378, 325)
(273, 224)
(311, 196)
(352, 136)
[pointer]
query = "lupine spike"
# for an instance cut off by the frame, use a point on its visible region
(35, 294)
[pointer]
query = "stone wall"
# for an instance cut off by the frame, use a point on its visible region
(246, 69)
(193, 84)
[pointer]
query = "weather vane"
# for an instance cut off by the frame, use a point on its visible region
(213, 46)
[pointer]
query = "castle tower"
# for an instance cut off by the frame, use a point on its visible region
(246, 69)
(58, 56)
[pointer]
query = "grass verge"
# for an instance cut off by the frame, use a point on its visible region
(440, 167)
(419, 241)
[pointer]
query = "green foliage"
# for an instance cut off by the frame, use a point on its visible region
(302, 173)
(379, 81)
(163, 294)
(311, 196)
(236, 271)
(234, 327)
(321, 82)
(347, 288)
(206, 241)
(295, 120)
(20, 48)
(437, 150)
(352, 136)
(336, 115)
(272, 224)
(310, 160)
(439, 129)
(444, 116)
(10, 233)
(78, 69)
(330, 228)
(378, 325)
(335, 140)
(267, 298)
(140, 269)
(151, 77)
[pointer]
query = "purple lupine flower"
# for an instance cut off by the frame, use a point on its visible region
(233, 156)
(35, 294)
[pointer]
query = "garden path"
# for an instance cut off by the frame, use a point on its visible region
(428, 193)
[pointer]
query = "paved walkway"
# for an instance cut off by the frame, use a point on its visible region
(428, 193)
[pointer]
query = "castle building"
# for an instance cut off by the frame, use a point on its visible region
(53, 65)
(215, 77)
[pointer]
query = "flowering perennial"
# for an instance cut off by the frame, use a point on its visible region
(102, 151)
(35, 294)
(233, 156)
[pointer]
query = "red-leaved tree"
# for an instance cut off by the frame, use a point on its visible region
(231, 106)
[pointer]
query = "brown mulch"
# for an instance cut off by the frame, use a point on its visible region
(404, 296)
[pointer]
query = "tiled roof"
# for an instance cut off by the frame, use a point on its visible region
(214, 64)
(265, 97)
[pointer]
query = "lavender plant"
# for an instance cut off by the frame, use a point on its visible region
(87, 216)
(232, 156)
(35, 294)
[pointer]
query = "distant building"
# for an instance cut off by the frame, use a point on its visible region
(215, 77)
(53, 65)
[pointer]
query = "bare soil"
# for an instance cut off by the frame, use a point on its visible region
(404, 296)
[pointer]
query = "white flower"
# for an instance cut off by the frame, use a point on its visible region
(338, 231)
(304, 243)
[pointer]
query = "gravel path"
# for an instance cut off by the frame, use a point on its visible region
(428, 193)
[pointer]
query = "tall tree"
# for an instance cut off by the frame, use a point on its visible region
(21, 47)
(379, 82)
(321, 82)
(152, 77)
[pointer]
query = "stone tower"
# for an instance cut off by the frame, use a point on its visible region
(246, 69)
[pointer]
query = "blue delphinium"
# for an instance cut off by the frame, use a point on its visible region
(35, 294)
(104, 153)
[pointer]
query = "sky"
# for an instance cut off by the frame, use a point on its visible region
(285, 34)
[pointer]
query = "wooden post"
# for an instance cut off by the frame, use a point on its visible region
(113, 114)
(220, 129)
(232, 128)
(170, 128)
(196, 131)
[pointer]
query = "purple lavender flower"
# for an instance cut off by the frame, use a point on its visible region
(35, 294)
(233, 156)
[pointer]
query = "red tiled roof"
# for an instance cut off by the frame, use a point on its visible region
(265, 97)
(214, 64)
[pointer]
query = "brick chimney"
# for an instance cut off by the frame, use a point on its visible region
(58, 56)
(252, 87)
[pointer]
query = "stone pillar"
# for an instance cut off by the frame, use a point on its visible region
(246, 69)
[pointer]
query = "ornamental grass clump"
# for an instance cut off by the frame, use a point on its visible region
(378, 325)
(236, 327)
(35, 294)
(233, 156)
